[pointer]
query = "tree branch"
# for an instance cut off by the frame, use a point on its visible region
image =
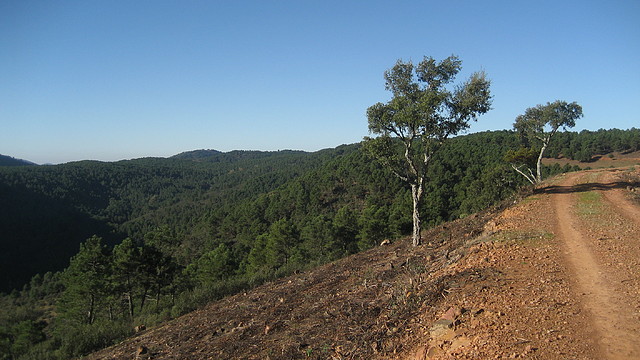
(530, 177)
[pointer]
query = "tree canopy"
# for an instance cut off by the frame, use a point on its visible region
(537, 126)
(422, 113)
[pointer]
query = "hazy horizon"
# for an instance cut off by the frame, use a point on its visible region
(119, 80)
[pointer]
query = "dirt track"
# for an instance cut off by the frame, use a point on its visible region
(604, 286)
(569, 257)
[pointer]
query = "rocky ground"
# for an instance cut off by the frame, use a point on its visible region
(553, 276)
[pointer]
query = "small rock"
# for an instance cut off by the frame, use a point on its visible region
(441, 329)
(451, 314)
(385, 242)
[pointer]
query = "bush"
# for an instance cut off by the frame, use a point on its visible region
(77, 340)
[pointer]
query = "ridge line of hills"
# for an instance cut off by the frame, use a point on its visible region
(210, 155)
(11, 161)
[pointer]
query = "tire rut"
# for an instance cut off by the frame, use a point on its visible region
(623, 206)
(618, 333)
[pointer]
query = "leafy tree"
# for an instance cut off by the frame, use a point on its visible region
(86, 282)
(156, 272)
(126, 271)
(281, 239)
(214, 265)
(537, 126)
(422, 114)
(373, 225)
(523, 161)
(317, 242)
(257, 259)
(345, 224)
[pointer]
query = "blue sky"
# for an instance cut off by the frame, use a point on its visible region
(110, 80)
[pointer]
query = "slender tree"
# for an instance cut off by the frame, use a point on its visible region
(537, 126)
(422, 114)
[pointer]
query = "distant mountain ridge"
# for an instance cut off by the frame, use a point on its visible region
(211, 155)
(196, 154)
(72, 201)
(11, 161)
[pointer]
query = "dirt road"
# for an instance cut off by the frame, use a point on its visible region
(599, 228)
(569, 285)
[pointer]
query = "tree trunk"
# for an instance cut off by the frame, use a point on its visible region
(130, 303)
(158, 299)
(91, 312)
(539, 163)
(416, 191)
(144, 298)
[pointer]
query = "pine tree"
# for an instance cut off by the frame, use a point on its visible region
(86, 282)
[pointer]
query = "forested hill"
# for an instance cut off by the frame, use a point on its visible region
(175, 233)
(11, 161)
(47, 211)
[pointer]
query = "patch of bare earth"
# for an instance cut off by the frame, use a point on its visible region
(501, 284)
(616, 159)
(601, 228)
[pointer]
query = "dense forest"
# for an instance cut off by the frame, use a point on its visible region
(11, 161)
(89, 250)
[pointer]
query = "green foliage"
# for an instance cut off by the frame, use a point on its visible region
(420, 116)
(86, 282)
(522, 156)
(583, 146)
(214, 265)
(65, 204)
(537, 126)
(280, 242)
(76, 340)
(542, 121)
(194, 240)
(345, 225)
(373, 226)
(25, 334)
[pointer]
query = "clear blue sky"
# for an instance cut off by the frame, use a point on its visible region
(110, 80)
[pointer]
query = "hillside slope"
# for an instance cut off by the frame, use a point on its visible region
(555, 276)
(47, 211)
(11, 161)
